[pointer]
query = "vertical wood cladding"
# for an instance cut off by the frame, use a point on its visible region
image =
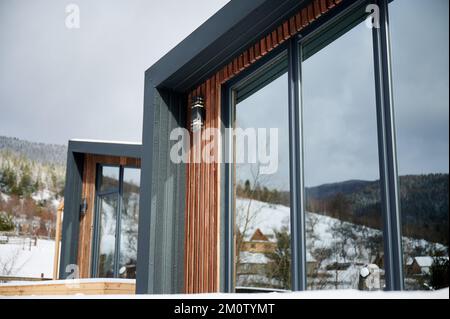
(202, 228)
(88, 192)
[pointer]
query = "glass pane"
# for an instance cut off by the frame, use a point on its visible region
(421, 81)
(262, 186)
(107, 236)
(109, 178)
(129, 223)
(344, 221)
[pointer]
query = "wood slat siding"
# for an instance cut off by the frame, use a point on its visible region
(87, 221)
(60, 288)
(202, 233)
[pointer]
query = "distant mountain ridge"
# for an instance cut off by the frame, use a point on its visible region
(327, 190)
(424, 203)
(39, 152)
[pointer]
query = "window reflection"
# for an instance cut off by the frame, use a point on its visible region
(343, 218)
(421, 79)
(117, 221)
(108, 221)
(262, 212)
(109, 178)
(129, 223)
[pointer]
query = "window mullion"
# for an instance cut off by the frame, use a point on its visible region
(118, 224)
(388, 153)
(298, 238)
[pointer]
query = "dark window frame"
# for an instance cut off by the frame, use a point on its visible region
(96, 225)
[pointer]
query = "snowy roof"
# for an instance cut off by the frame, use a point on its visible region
(425, 261)
(253, 258)
(259, 258)
(104, 142)
(409, 261)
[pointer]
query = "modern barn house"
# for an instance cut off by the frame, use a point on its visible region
(179, 213)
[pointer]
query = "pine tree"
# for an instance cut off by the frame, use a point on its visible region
(9, 179)
(279, 267)
(6, 222)
(247, 187)
(25, 187)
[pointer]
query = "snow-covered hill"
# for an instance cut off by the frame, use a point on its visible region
(338, 249)
(30, 192)
(39, 152)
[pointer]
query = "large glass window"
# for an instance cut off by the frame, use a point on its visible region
(340, 126)
(420, 48)
(116, 222)
(108, 205)
(343, 213)
(129, 222)
(262, 189)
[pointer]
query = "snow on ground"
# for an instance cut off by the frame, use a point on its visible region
(42, 195)
(19, 257)
(4, 197)
(45, 196)
(361, 244)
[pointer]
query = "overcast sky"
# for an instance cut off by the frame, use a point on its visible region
(57, 84)
(340, 125)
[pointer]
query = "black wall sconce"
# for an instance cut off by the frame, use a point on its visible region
(83, 207)
(198, 113)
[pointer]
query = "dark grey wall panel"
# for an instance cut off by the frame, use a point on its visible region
(71, 218)
(160, 266)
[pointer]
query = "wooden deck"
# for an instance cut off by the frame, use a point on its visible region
(69, 287)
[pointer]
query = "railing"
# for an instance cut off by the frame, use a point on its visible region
(4, 279)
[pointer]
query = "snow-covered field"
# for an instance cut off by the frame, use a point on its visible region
(323, 294)
(20, 258)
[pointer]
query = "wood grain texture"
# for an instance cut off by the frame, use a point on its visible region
(61, 287)
(202, 235)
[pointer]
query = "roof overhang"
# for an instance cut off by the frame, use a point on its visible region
(224, 35)
(106, 148)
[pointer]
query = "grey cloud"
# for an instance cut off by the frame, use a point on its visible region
(57, 84)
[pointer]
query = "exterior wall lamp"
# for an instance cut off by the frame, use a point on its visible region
(198, 113)
(83, 207)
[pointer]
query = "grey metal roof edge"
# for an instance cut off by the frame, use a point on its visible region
(221, 37)
(133, 150)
